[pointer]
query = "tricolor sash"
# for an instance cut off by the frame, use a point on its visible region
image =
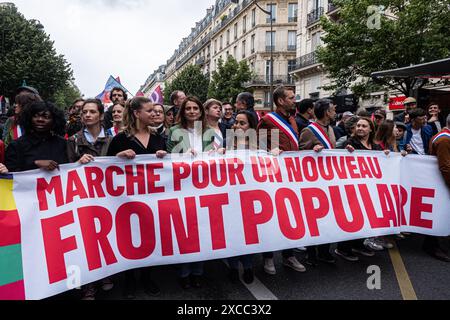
(284, 126)
(442, 134)
(321, 135)
(17, 132)
(112, 132)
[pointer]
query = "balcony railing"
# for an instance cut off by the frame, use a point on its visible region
(274, 20)
(314, 16)
(306, 60)
(270, 48)
(292, 19)
(331, 6)
(292, 47)
(265, 80)
(200, 61)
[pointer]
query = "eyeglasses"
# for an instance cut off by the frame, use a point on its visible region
(117, 95)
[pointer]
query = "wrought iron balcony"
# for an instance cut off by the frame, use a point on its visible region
(270, 48)
(314, 16)
(292, 47)
(292, 19)
(265, 80)
(331, 6)
(306, 60)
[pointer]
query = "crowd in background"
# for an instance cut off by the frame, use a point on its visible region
(38, 135)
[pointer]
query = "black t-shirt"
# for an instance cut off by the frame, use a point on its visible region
(355, 143)
(22, 153)
(122, 142)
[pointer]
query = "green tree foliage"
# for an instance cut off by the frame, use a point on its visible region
(67, 95)
(27, 53)
(363, 41)
(191, 81)
(228, 80)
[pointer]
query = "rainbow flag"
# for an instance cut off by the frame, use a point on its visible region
(11, 270)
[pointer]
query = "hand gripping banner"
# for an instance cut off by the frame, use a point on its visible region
(72, 227)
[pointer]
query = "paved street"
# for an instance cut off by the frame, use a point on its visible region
(423, 278)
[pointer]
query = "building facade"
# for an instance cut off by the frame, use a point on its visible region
(240, 29)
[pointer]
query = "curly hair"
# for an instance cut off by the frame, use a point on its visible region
(59, 123)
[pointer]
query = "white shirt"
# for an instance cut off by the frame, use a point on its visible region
(90, 138)
(416, 141)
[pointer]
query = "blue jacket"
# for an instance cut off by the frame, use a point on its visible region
(427, 134)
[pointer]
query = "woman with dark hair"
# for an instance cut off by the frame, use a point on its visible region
(12, 129)
(213, 110)
(138, 139)
(42, 146)
(385, 136)
(363, 139)
(245, 121)
(117, 110)
(190, 136)
(92, 140)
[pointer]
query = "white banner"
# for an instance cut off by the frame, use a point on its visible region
(89, 222)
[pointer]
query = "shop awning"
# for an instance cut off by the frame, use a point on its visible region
(435, 69)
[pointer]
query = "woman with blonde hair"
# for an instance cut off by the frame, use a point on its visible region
(137, 138)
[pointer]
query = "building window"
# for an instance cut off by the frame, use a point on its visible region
(292, 40)
(215, 46)
(235, 52)
(315, 41)
(272, 7)
(252, 44)
(221, 42)
(293, 12)
(235, 31)
(244, 25)
(270, 40)
(268, 71)
(291, 67)
(228, 36)
(253, 18)
(243, 49)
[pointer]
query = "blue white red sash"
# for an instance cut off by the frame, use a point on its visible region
(442, 134)
(17, 132)
(284, 126)
(112, 132)
(321, 135)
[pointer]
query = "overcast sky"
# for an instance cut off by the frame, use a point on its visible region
(126, 38)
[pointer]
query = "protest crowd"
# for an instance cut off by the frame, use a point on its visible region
(38, 135)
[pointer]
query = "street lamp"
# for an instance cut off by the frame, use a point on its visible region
(270, 13)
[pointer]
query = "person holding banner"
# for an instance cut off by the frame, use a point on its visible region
(319, 135)
(281, 120)
(440, 147)
(364, 139)
(117, 115)
(245, 121)
(42, 146)
(92, 140)
(191, 136)
(138, 139)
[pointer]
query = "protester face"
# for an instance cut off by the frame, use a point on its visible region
(289, 101)
(42, 122)
(145, 115)
(419, 122)
(399, 132)
(241, 123)
(158, 112)
(240, 106)
(170, 117)
(192, 112)
(214, 112)
(180, 99)
(117, 113)
(410, 106)
(363, 129)
(117, 96)
(434, 110)
(332, 112)
(90, 115)
(378, 119)
(228, 111)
